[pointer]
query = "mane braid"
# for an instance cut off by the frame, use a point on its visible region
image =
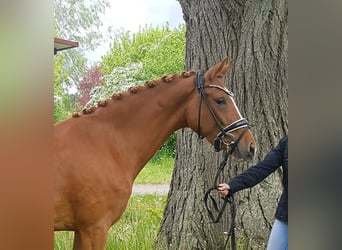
(187, 74)
(102, 103)
(88, 111)
(134, 90)
(117, 96)
(150, 84)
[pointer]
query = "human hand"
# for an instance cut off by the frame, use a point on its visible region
(223, 189)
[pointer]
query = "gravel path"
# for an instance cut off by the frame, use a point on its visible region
(150, 189)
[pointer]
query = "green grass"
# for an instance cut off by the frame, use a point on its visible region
(136, 229)
(156, 171)
(139, 224)
(63, 240)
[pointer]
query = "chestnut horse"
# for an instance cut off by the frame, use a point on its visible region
(99, 153)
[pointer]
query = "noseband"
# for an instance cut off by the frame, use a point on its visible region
(241, 123)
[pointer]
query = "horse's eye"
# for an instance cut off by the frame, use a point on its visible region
(220, 101)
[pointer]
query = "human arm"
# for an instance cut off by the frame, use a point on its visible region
(256, 173)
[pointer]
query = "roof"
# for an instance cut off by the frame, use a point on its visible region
(61, 44)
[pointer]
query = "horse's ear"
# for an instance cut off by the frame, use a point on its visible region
(218, 70)
(225, 69)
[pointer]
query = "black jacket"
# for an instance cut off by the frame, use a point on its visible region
(275, 158)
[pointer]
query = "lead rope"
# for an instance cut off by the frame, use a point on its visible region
(231, 232)
(230, 199)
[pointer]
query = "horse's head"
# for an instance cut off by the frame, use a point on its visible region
(218, 118)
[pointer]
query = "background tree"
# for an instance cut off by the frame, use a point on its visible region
(80, 21)
(77, 21)
(158, 50)
(62, 99)
(92, 78)
(254, 34)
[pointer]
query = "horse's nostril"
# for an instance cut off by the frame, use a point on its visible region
(252, 148)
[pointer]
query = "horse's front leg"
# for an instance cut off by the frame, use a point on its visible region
(91, 238)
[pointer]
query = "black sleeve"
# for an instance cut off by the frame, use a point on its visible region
(260, 171)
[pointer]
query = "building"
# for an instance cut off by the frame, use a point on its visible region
(61, 44)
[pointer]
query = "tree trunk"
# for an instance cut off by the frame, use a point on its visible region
(254, 34)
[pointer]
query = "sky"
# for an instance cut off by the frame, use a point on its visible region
(132, 14)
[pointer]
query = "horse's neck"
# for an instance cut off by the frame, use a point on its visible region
(143, 121)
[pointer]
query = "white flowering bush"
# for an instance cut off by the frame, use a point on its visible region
(119, 80)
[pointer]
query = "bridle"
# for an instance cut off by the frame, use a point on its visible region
(224, 131)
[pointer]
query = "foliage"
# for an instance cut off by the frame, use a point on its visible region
(77, 21)
(64, 102)
(92, 78)
(135, 230)
(60, 99)
(133, 59)
(118, 80)
(167, 150)
(80, 21)
(159, 50)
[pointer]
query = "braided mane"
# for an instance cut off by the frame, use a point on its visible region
(135, 90)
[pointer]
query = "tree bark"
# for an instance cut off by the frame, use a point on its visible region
(255, 35)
